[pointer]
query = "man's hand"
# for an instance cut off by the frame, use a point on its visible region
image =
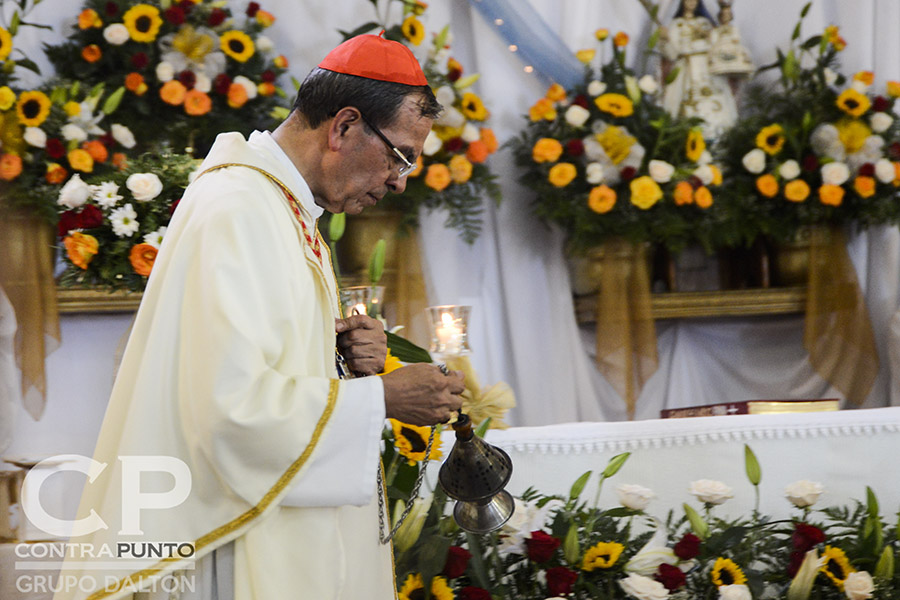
(362, 342)
(420, 394)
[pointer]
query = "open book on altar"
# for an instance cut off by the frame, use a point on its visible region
(752, 407)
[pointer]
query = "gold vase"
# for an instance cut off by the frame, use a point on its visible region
(586, 266)
(790, 262)
(354, 249)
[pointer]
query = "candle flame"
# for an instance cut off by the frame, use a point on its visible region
(447, 319)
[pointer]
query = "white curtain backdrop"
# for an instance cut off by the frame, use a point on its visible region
(524, 331)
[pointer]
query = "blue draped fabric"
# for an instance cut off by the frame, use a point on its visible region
(538, 46)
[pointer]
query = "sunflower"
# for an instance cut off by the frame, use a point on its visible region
(411, 441)
(237, 45)
(695, 145)
(837, 566)
(413, 30)
(602, 556)
(6, 43)
(771, 139)
(473, 108)
(615, 104)
(726, 572)
(143, 22)
(33, 108)
(413, 588)
(853, 103)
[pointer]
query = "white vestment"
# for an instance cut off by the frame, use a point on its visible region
(230, 369)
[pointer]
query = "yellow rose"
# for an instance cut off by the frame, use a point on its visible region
(832, 195)
(767, 185)
(556, 93)
(460, 169)
(796, 190)
(542, 109)
(7, 97)
(585, 56)
(562, 174)
(602, 199)
(81, 160)
(645, 192)
(546, 150)
(703, 197)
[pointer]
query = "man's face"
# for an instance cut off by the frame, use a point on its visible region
(367, 169)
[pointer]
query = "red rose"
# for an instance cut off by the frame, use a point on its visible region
(670, 576)
(454, 144)
(628, 173)
(221, 84)
(541, 546)
(575, 147)
(795, 561)
(806, 537)
(688, 547)
(252, 9)
(216, 17)
(107, 139)
(470, 592)
(457, 560)
(867, 170)
(139, 60)
(173, 207)
(695, 182)
(68, 221)
(894, 151)
(581, 100)
(55, 148)
(174, 15)
(560, 580)
(810, 163)
(111, 9)
(880, 104)
(90, 217)
(187, 79)
(267, 75)
(186, 6)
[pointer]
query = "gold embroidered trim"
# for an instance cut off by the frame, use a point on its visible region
(243, 519)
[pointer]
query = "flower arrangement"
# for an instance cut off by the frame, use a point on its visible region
(605, 160)
(821, 149)
(565, 547)
(190, 69)
(452, 172)
(112, 225)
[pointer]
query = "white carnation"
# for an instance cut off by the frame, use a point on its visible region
(635, 497)
(124, 221)
(755, 161)
(711, 492)
(445, 96)
(74, 193)
(704, 173)
(144, 186)
(432, 144)
(803, 493)
(470, 133)
(830, 76)
(643, 588)
(859, 585)
(577, 116)
(155, 238)
(789, 169)
(451, 117)
(165, 71)
(593, 173)
(660, 171)
(123, 135)
(880, 122)
(248, 85)
(734, 592)
(116, 34)
(595, 88)
(35, 136)
(106, 194)
(885, 171)
(648, 84)
(202, 83)
(835, 173)
(826, 141)
(264, 44)
(72, 132)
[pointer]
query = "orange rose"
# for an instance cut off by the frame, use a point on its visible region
(830, 194)
(703, 197)
(142, 257)
(91, 53)
(265, 18)
(867, 77)
(10, 166)
(864, 186)
(489, 139)
(477, 152)
(173, 92)
(556, 92)
(81, 248)
(621, 39)
(418, 170)
(684, 193)
(81, 160)
(280, 61)
(546, 150)
(56, 174)
(266, 88)
(237, 95)
(542, 109)
(437, 177)
(97, 150)
(120, 161)
(134, 82)
(767, 185)
(460, 169)
(796, 190)
(197, 103)
(893, 89)
(897, 174)
(89, 18)
(602, 199)
(562, 174)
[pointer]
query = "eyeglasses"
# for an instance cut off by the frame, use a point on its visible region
(406, 167)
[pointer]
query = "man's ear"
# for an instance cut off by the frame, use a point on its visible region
(340, 126)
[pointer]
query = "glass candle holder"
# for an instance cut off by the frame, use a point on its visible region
(362, 300)
(449, 329)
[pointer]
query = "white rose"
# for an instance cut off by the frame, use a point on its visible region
(593, 173)
(35, 136)
(884, 170)
(165, 71)
(202, 83)
(648, 84)
(72, 132)
(451, 117)
(860, 86)
(116, 34)
(709, 491)
(830, 76)
(247, 85)
(803, 493)
(264, 44)
(789, 169)
(705, 158)
(635, 497)
(859, 585)
(123, 135)
(660, 171)
(643, 588)
(704, 173)
(880, 122)
(734, 592)
(144, 186)
(826, 140)
(576, 116)
(470, 133)
(445, 96)
(835, 173)
(595, 88)
(755, 161)
(432, 144)
(75, 193)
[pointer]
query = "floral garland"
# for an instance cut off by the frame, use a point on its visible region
(191, 69)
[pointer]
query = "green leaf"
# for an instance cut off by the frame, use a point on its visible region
(578, 486)
(295, 82)
(336, 225)
(482, 429)
(796, 33)
(376, 262)
(571, 549)
(654, 39)
(432, 555)
(672, 75)
(871, 503)
(811, 42)
(615, 463)
(27, 63)
(805, 9)
(477, 562)
(884, 569)
(280, 112)
(364, 28)
(754, 473)
(698, 525)
(14, 23)
(465, 82)
(405, 350)
(441, 38)
(620, 511)
(113, 101)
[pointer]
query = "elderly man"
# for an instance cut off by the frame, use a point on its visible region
(230, 368)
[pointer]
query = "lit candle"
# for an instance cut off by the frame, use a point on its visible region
(449, 334)
(359, 309)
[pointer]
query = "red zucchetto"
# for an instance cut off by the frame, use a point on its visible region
(374, 57)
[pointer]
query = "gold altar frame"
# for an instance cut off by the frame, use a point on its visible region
(96, 300)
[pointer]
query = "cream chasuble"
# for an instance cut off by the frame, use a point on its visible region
(230, 369)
